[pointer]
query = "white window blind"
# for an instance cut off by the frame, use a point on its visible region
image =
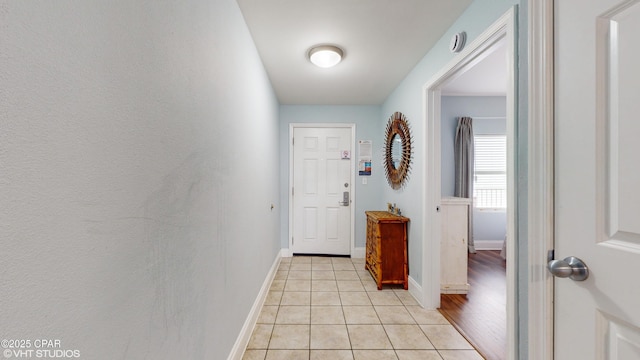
(490, 172)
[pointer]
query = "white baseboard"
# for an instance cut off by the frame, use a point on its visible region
(488, 244)
(245, 334)
(358, 253)
(286, 253)
(454, 288)
(415, 290)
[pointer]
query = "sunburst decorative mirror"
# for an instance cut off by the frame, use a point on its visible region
(398, 150)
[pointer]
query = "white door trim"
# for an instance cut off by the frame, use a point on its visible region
(352, 177)
(540, 210)
(503, 28)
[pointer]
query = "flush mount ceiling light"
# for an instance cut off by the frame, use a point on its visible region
(325, 56)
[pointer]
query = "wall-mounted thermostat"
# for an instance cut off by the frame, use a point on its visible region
(457, 42)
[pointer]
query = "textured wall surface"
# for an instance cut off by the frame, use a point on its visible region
(138, 165)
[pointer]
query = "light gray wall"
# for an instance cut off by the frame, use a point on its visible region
(138, 163)
(408, 99)
(486, 225)
(367, 128)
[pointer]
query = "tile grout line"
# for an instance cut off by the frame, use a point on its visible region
(344, 317)
(402, 305)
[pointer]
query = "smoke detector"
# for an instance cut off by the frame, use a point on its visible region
(457, 42)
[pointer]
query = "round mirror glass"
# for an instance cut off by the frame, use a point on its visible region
(396, 151)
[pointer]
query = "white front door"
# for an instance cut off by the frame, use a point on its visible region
(322, 190)
(597, 177)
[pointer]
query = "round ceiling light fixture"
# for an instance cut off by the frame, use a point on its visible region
(325, 56)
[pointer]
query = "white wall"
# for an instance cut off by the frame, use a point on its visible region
(138, 164)
(365, 118)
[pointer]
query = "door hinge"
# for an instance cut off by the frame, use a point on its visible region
(292, 241)
(293, 141)
(292, 192)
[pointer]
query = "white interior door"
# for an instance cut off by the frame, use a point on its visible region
(322, 190)
(597, 177)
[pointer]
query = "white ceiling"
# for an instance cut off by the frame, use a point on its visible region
(382, 40)
(487, 78)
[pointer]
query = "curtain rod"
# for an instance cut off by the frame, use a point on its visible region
(488, 117)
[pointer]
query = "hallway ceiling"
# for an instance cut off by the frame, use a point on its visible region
(487, 78)
(382, 40)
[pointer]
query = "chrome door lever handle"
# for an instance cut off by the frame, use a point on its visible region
(570, 267)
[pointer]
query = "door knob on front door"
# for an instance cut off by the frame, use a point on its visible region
(570, 267)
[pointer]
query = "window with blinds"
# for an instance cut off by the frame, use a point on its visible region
(490, 172)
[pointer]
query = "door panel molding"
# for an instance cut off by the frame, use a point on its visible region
(617, 127)
(616, 338)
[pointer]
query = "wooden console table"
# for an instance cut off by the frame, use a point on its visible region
(386, 254)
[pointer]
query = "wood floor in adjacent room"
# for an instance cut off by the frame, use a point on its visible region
(480, 315)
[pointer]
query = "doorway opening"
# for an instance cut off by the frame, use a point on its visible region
(474, 293)
(443, 105)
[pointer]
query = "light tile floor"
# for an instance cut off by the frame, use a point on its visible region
(330, 308)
